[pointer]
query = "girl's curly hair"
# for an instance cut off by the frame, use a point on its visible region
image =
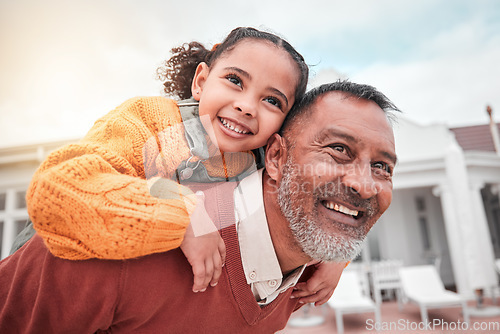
(177, 72)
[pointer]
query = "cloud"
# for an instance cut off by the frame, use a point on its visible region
(451, 83)
(66, 63)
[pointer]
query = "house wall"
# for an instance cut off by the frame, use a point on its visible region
(401, 235)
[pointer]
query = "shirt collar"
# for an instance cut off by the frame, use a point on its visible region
(260, 263)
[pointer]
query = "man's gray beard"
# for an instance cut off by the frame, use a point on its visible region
(316, 243)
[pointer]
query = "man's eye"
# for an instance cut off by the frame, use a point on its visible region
(338, 148)
(274, 101)
(382, 166)
(234, 79)
(339, 152)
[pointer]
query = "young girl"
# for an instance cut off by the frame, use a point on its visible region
(92, 199)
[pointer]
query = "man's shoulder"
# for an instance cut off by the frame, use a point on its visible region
(34, 256)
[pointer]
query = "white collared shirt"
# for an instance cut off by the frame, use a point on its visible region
(260, 263)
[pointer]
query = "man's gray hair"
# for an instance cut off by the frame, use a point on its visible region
(350, 89)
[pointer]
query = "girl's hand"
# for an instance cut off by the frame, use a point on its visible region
(203, 248)
(319, 288)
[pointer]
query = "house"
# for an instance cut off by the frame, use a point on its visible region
(445, 205)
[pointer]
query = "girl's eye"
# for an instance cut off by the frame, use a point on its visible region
(234, 79)
(274, 101)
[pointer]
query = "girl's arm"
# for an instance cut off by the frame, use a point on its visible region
(320, 286)
(91, 199)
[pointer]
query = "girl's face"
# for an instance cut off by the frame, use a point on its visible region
(246, 94)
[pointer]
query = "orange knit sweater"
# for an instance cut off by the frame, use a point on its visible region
(91, 199)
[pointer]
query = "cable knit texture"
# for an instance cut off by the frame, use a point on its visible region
(91, 199)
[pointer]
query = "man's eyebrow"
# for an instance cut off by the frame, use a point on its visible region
(390, 156)
(248, 76)
(334, 132)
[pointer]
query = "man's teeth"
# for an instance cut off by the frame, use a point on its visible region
(340, 208)
(232, 126)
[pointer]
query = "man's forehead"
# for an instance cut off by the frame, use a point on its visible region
(338, 106)
(343, 115)
(336, 99)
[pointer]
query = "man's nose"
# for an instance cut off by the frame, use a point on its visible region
(359, 178)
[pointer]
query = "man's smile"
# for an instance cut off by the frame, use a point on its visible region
(340, 208)
(341, 212)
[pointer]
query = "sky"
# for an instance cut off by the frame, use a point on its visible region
(65, 63)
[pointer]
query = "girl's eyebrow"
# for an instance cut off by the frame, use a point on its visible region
(277, 92)
(248, 76)
(239, 70)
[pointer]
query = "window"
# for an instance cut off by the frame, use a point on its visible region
(3, 198)
(20, 199)
(424, 230)
(13, 217)
(420, 202)
(1, 233)
(423, 222)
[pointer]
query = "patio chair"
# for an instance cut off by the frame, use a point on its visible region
(497, 288)
(385, 276)
(423, 286)
(351, 297)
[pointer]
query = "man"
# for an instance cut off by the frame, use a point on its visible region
(328, 178)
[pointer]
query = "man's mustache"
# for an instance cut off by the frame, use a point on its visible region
(335, 190)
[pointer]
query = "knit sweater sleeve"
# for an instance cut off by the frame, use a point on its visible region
(91, 199)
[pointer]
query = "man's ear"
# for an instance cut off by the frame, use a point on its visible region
(200, 76)
(276, 154)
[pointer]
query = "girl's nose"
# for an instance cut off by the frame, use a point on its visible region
(246, 106)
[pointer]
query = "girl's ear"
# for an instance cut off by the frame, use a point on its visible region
(200, 76)
(276, 154)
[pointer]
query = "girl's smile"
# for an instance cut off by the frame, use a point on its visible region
(233, 126)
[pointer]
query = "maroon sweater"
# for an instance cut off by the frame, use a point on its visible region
(40, 293)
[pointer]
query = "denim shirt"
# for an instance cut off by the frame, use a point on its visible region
(196, 138)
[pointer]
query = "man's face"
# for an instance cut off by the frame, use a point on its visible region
(337, 180)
